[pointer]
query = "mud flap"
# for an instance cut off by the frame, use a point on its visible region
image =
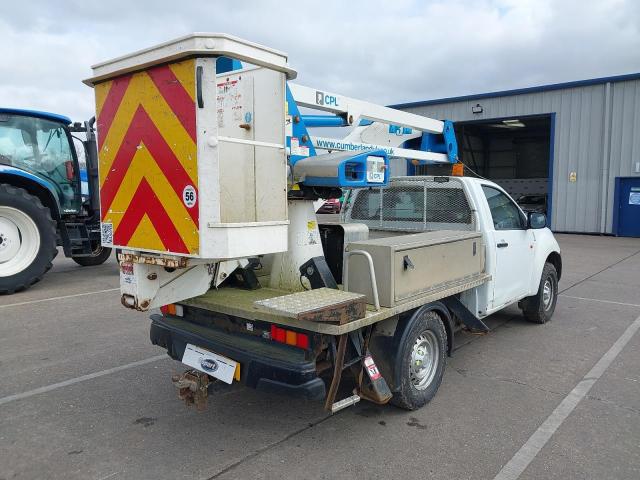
(469, 319)
(372, 386)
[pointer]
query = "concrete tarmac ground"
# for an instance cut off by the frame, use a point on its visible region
(84, 395)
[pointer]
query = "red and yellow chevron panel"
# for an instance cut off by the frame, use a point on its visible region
(148, 158)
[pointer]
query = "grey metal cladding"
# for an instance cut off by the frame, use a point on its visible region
(596, 144)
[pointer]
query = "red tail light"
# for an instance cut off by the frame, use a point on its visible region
(289, 337)
(302, 340)
(69, 167)
(172, 309)
(278, 334)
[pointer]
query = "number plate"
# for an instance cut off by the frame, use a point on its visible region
(211, 363)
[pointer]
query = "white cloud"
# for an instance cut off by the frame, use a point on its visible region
(386, 52)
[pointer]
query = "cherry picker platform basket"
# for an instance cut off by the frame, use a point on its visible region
(189, 163)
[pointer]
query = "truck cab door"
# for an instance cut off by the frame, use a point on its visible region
(512, 245)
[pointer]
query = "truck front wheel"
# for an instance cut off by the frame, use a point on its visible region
(27, 239)
(422, 358)
(540, 307)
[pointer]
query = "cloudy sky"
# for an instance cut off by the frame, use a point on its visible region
(383, 51)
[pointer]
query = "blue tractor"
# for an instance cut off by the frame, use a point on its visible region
(47, 197)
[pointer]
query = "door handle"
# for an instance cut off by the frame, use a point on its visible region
(502, 245)
(199, 86)
(407, 263)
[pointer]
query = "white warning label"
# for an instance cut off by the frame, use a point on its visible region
(189, 196)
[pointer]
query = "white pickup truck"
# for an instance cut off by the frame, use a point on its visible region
(401, 341)
(522, 256)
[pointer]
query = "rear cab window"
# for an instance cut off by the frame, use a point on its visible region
(413, 203)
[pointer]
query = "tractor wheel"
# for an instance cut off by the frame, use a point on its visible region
(27, 239)
(100, 255)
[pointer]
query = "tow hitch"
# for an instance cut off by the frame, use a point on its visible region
(193, 388)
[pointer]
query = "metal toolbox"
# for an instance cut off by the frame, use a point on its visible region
(409, 265)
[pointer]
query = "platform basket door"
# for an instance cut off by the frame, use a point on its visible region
(147, 149)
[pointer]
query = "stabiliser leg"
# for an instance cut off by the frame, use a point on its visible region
(337, 373)
(370, 383)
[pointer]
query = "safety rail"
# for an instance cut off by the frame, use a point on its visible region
(372, 274)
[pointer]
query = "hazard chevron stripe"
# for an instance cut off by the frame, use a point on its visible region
(142, 133)
(148, 156)
(144, 201)
(110, 107)
(176, 96)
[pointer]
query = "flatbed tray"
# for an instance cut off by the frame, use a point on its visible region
(242, 303)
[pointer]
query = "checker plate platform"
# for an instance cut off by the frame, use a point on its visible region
(319, 305)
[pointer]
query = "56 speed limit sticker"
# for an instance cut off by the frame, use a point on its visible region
(189, 196)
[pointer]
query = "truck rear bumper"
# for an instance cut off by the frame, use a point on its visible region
(292, 376)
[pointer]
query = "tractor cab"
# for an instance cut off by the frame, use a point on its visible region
(40, 144)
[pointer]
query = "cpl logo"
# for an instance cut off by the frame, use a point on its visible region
(324, 99)
(208, 364)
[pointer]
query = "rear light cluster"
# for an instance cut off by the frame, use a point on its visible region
(172, 309)
(278, 334)
(289, 337)
(69, 170)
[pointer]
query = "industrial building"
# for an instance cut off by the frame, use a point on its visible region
(574, 146)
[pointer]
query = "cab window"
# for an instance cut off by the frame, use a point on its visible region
(41, 147)
(445, 205)
(505, 213)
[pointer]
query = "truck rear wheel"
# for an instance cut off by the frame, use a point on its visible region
(422, 361)
(540, 307)
(100, 255)
(27, 239)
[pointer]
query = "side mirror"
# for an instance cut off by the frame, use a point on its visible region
(537, 220)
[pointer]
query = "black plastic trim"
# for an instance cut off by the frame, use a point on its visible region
(199, 71)
(257, 371)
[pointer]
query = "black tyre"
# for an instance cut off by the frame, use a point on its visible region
(100, 255)
(422, 359)
(27, 239)
(540, 307)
